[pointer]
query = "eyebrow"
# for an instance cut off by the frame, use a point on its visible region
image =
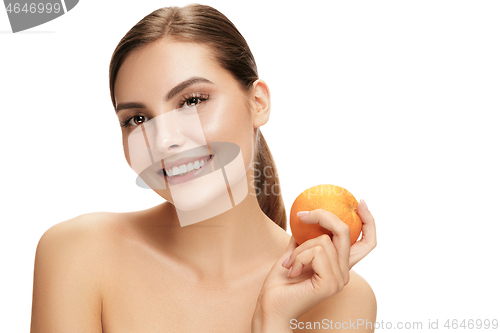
(174, 91)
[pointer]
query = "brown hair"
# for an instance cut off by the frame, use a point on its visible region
(206, 25)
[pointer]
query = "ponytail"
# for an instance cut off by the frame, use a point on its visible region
(268, 189)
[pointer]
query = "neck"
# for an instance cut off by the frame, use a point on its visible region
(232, 243)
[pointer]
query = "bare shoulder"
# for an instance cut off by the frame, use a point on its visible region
(80, 225)
(80, 243)
(355, 304)
(81, 236)
(67, 280)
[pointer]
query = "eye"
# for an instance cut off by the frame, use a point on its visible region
(193, 100)
(135, 120)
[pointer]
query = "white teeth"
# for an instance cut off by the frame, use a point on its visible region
(182, 169)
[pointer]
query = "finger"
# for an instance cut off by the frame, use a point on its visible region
(325, 272)
(368, 228)
(316, 254)
(324, 240)
(368, 239)
(341, 234)
(292, 244)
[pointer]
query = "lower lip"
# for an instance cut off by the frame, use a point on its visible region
(174, 180)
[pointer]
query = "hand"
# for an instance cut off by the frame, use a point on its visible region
(308, 274)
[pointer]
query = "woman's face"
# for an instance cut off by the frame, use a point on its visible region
(175, 99)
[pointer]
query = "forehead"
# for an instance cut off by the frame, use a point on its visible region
(159, 66)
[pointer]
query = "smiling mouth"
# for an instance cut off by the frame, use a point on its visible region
(184, 169)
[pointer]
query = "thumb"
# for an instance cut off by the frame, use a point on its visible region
(292, 244)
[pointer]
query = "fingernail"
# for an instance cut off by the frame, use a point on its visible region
(285, 262)
(362, 202)
(302, 213)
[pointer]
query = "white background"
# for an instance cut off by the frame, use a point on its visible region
(397, 101)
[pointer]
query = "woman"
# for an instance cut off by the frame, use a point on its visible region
(235, 271)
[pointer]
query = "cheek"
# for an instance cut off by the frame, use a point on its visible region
(234, 127)
(226, 116)
(125, 148)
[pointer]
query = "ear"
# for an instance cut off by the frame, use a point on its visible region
(261, 101)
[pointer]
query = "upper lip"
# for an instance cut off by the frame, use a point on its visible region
(184, 160)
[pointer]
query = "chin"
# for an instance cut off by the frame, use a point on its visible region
(197, 195)
(197, 201)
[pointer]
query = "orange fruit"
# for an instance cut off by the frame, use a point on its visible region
(334, 199)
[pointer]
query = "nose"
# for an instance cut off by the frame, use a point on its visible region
(167, 137)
